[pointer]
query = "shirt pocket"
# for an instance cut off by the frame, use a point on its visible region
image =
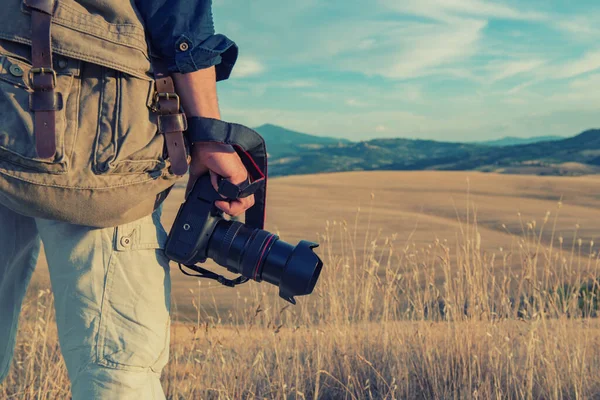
(17, 138)
(127, 139)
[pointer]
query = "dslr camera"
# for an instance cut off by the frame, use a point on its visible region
(200, 231)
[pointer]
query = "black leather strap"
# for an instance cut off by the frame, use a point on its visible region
(204, 273)
(253, 152)
(232, 191)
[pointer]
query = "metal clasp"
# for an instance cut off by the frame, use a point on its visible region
(42, 71)
(164, 95)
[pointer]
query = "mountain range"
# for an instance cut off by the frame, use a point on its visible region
(294, 153)
(512, 141)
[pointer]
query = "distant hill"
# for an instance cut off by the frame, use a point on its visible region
(378, 154)
(572, 156)
(513, 141)
(281, 141)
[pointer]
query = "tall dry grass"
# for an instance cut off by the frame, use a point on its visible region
(449, 321)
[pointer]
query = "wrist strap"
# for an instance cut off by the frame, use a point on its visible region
(252, 150)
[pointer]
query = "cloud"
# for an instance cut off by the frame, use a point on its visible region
(396, 49)
(588, 63)
(408, 49)
(409, 92)
(246, 67)
(294, 84)
(583, 27)
(454, 68)
(522, 86)
(317, 95)
(541, 71)
(453, 36)
(429, 47)
(589, 82)
(503, 70)
(381, 38)
(449, 10)
(257, 88)
(356, 103)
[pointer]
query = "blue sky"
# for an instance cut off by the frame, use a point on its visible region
(435, 69)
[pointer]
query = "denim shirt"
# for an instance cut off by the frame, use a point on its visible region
(182, 33)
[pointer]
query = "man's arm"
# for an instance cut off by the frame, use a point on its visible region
(181, 32)
(198, 93)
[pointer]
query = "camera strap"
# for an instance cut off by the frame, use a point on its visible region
(204, 273)
(252, 150)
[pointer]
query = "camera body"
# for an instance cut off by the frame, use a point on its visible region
(200, 232)
(194, 225)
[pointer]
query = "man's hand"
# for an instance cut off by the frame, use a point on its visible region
(220, 160)
(198, 93)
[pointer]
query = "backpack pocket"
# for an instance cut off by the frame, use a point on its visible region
(17, 138)
(127, 140)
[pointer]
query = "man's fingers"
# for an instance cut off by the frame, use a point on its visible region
(221, 160)
(233, 208)
(228, 166)
(236, 207)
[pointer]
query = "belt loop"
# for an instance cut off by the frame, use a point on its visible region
(44, 101)
(171, 121)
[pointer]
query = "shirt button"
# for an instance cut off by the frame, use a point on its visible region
(62, 64)
(184, 46)
(125, 241)
(15, 70)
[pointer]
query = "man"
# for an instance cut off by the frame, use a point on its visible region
(103, 167)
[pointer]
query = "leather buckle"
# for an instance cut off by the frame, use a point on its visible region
(41, 71)
(158, 96)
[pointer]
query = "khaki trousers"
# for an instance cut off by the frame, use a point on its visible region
(112, 297)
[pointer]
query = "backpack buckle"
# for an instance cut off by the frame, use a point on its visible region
(41, 71)
(162, 102)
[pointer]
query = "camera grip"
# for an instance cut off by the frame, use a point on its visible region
(194, 224)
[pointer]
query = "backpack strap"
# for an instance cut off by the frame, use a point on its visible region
(171, 121)
(252, 150)
(45, 100)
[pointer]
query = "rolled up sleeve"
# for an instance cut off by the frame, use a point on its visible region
(182, 33)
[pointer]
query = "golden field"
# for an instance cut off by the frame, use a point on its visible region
(436, 285)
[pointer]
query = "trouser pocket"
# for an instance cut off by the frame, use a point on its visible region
(134, 319)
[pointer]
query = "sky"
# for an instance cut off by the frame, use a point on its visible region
(454, 70)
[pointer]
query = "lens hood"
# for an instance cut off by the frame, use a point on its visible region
(301, 272)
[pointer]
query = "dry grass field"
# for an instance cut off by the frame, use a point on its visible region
(441, 285)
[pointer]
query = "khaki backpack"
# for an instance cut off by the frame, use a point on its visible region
(105, 162)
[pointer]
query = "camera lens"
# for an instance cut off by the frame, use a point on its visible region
(260, 255)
